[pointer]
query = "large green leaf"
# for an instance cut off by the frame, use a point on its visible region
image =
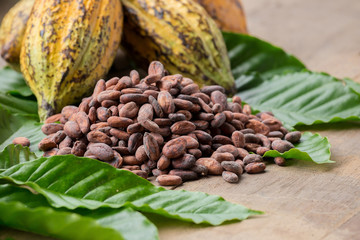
(37, 216)
(13, 82)
(312, 147)
(250, 54)
(18, 105)
(12, 125)
(73, 182)
(13, 155)
(303, 98)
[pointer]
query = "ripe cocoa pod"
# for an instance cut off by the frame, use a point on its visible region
(12, 31)
(228, 14)
(67, 47)
(200, 55)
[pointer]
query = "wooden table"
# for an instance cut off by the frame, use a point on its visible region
(304, 200)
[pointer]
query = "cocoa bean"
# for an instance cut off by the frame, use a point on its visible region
(262, 150)
(98, 137)
(174, 148)
(163, 163)
(135, 141)
(256, 167)
(225, 156)
(140, 154)
(67, 142)
(220, 98)
(46, 144)
(200, 170)
(209, 89)
(150, 126)
(183, 104)
(64, 151)
(190, 89)
(293, 137)
(169, 180)
(251, 158)
(281, 145)
(230, 177)
(103, 114)
(22, 141)
(219, 120)
(129, 110)
(135, 77)
(176, 117)
(156, 106)
(275, 134)
(141, 173)
(228, 148)
(67, 111)
(182, 127)
(185, 175)
(280, 161)
(192, 99)
(187, 161)
(134, 128)
(51, 152)
(50, 128)
(213, 166)
(145, 113)
(72, 129)
(151, 147)
(166, 102)
(119, 122)
(122, 135)
(108, 95)
(195, 152)
(134, 97)
(232, 166)
(83, 121)
(53, 118)
(131, 160)
(258, 126)
(78, 149)
(156, 172)
(162, 122)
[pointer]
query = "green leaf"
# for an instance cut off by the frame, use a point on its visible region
(13, 155)
(250, 54)
(73, 182)
(312, 147)
(18, 105)
(303, 98)
(12, 126)
(37, 216)
(13, 82)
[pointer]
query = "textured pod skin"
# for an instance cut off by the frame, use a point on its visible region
(228, 14)
(12, 31)
(181, 35)
(67, 47)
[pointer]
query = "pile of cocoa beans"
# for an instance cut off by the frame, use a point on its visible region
(167, 126)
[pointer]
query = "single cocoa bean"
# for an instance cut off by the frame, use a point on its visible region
(174, 148)
(186, 175)
(163, 163)
(122, 135)
(50, 128)
(232, 166)
(119, 122)
(135, 141)
(195, 152)
(225, 156)
(72, 129)
(169, 180)
(230, 177)
(182, 127)
(209, 89)
(166, 102)
(200, 170)
(78, 149)
(132, 160)
(134, 97)
(251, 158)
(53, 118)
(22, 141)
(64, 151)
(145, 113)
(151, 147)
(293, 137)
(256, 167)
(228, 148)
(213, 166)
(187, 161)
(129, 110)
(281, 145)
(98, 137)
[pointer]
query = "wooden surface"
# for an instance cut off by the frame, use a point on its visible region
(303, 200)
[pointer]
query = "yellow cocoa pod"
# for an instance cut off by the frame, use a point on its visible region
(67, 47)
(12, 31)
(181, 35)
(228, 14)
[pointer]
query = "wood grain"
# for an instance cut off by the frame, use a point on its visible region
(303, 200)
